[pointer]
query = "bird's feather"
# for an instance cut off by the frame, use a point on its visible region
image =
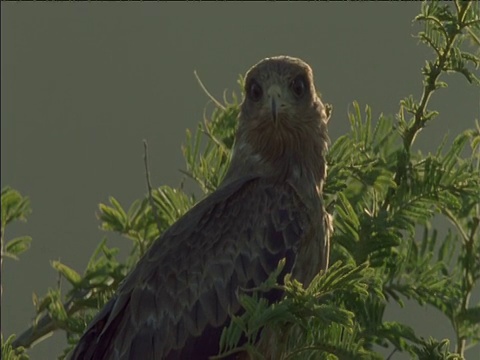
(187, 281)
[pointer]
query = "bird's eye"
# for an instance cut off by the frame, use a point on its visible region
(298, 86)
(255, 91)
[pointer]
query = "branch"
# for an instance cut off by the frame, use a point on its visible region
(438, 67)
(44, 327)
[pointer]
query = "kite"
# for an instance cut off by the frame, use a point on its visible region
(183, 291)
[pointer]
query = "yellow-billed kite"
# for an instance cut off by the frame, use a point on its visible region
(176, 301)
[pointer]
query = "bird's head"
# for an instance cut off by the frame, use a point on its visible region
(282, 123)
(279, 91)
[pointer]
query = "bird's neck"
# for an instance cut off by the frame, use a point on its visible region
(283, 153)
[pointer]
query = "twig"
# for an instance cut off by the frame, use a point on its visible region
(149, 187)
(198, 180)
(216, 102)
(391, 354)
(212, 137)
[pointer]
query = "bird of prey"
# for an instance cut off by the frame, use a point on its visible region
(183, 291)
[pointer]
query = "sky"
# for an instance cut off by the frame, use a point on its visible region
(82, 84)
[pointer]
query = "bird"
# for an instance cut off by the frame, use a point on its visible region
(269, 206)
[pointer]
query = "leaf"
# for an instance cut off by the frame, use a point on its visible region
(71, 275)
(14, 206)
(397, 334)
(9, 352)
(113, 218)
(17, 246)
(436, 350)
(350, 219)
(171, 203)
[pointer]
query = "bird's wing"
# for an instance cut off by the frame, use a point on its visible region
(186, 284)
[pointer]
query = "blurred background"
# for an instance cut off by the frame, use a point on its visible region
(84, 83)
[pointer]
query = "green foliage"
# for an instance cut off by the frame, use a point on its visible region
(14, 207)
(384, 198)
(436, 350)
(9, 352)
(208, 164)
(292, 324)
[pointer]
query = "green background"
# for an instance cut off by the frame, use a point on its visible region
(84, 83)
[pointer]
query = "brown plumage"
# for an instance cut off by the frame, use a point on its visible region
(180, 295)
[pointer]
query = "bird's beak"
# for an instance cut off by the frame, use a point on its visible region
(274, 98)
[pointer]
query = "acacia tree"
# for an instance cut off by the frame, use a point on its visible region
(380, 192)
